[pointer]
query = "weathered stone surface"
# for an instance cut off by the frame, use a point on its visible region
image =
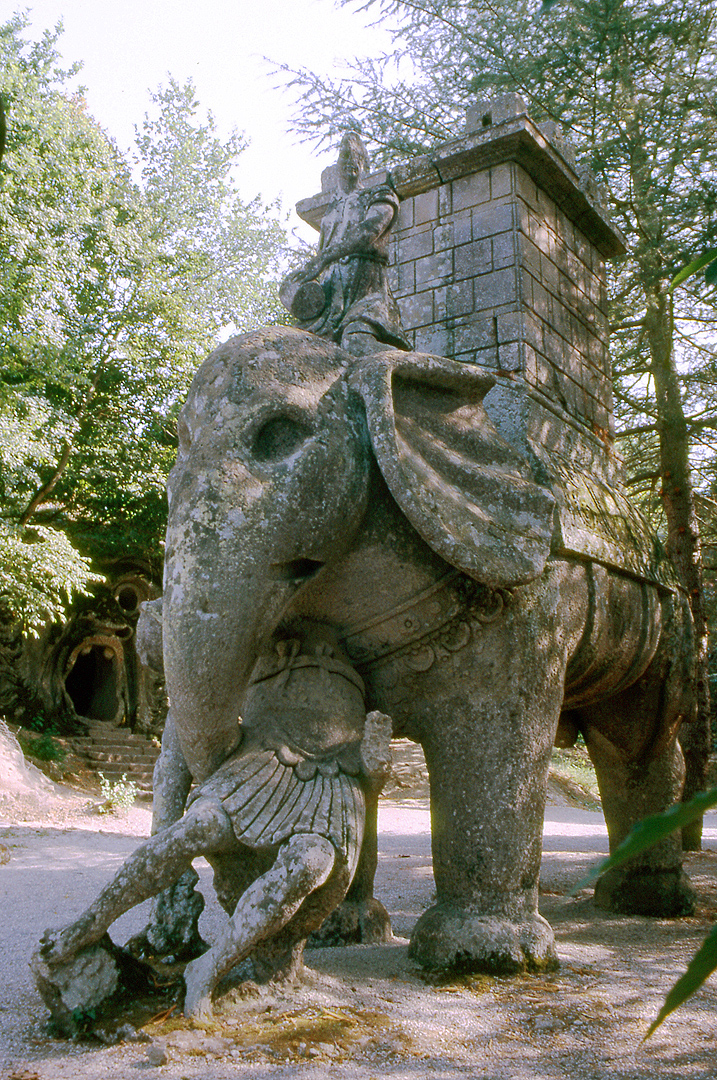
(81, 984)
(281, 821)
(77, 989)
(458, 661)
(157, 1054)
(148, 636)
(85, 670)
(441, 942)
(646, 893)
(173, 931)
(474, 501)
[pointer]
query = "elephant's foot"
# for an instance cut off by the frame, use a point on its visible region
(354, 922)
(448, 939)
(665, 894)
(173, 932)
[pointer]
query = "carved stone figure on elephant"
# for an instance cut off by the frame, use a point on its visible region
(375, 495)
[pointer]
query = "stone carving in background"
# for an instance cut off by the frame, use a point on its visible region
(86, 670)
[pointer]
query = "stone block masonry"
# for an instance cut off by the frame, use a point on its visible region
(498, 259)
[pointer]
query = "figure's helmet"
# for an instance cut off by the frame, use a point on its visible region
(306, 696)
(353, 161)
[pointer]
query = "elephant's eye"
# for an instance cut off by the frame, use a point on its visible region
(279, 437)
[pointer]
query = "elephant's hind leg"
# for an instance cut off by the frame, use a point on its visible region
(304, 863)
(632, 741)
(634, 786)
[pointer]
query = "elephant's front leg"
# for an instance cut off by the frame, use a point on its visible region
(487, 739)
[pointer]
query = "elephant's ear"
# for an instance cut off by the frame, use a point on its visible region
(461, 485)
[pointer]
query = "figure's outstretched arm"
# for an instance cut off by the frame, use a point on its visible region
(156, 864)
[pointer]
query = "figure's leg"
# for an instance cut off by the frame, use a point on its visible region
(173, 927)
(632, 741)
(303, 864)
(487, 711)
(155, 864)
(361, 919)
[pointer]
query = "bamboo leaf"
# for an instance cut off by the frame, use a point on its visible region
(701, 966)
(695, 266)
(650, 831)
(711, 273)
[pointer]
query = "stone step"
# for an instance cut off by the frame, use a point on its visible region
(144, 762)
(126, 759)
(116, 736)
(117, 752)
(130, 747)
(145, 750)
(115, 772)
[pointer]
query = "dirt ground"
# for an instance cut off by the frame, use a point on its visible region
(365, 1012)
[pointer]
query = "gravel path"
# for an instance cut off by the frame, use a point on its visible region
(366, 1012)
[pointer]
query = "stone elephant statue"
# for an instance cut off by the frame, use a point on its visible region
(352, 545)
(372, 500)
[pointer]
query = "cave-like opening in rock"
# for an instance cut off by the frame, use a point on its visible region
(93, 684)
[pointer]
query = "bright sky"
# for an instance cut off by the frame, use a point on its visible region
(129, 46)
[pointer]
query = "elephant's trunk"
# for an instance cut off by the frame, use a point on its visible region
(211, 647)
(226, 588)
(267, 488)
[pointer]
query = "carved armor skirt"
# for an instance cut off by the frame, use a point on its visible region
(268, 802)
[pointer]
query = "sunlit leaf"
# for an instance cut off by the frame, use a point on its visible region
(650, 831)
(695, 266)
(700, 968)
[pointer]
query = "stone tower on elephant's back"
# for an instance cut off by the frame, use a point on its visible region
(498, 259)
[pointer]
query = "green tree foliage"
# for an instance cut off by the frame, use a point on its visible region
(112, 291)
(633, 83)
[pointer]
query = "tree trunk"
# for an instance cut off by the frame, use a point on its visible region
(683, 540)
(46, 490)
